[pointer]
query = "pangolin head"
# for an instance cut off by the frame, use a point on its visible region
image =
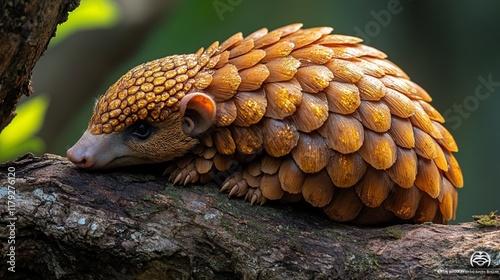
(144, 117)
(151, 91)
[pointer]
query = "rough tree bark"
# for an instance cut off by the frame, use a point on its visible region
(25, 31)
(72, 224)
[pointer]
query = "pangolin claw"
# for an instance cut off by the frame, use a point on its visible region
(234, 190)
(255, 196)
(239, 189)
(187, 180)
(185, 175)
(178, 178)
(225, 186)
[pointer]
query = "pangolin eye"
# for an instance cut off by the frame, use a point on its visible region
(142, 131)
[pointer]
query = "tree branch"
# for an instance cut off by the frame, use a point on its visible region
(73, 224)
(26, 29)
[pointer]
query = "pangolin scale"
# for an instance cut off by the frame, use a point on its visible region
(292, 114)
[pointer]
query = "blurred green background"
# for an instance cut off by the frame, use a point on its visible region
(451, 48)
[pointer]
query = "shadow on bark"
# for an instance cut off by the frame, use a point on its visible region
(72, 224)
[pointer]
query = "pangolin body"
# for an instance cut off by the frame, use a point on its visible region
(292, 114)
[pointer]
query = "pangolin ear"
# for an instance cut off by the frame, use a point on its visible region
(198, 113)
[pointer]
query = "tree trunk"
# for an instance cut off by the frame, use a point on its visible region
(70, 224)
(25, 30)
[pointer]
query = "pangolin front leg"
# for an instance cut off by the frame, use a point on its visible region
(189, 170)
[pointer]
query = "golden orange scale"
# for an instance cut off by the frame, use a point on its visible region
(304, 114)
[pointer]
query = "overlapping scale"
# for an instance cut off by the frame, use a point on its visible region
(231, 41)
(426, 210)
(252, 78)
(336, 39)
(280, 49)
(345, 170)
(268, 39)
(424, 144)
(271, 187)
(224, 142)
(311, 153)
(304, 37)
(428, 177)
(330, 121)
(315, 54)
(387, 66)
(250, 107)
(375, 115)
(225, 83)
(403, 202)
(431, 111)
(291, 176)
(242, 48)
(454, 173)
(447, 141)
(399, 104)
(440, 159)
(448, 198)
(203, 165)
(311, 113)
(421, 120)
(248, 140)
(282, 69)
(398, 84)
(225, 113)
(282, 98)
(269, 164)
(420, 93)
(289, 29)
(247, 60)
(404, 171)
(343, 98)
(318, 189)
(346, 51)
(280, 137)
(314, 78)
(344, 206)
(343, 133)
(402, 132)
(223, 58)
(252, 181)
(223, 162)
(374, 188)
(370, 69)
(371, 88)
(344, 70)
(256, 34)
(378, 149)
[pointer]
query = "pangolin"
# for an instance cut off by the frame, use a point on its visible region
(292, 114)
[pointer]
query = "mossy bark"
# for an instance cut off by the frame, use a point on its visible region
(73, 224)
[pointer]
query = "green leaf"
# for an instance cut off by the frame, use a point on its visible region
(19, 136)
(90, 14)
